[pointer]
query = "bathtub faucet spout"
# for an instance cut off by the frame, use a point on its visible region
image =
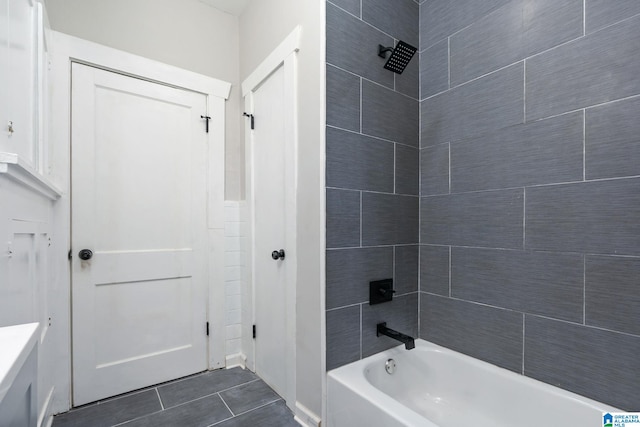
(381, 329)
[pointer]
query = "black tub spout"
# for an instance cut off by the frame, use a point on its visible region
(381, 329)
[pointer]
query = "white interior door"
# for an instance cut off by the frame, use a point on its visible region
(139, 204)
(272, 231)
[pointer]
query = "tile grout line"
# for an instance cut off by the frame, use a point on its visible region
(419, 300)
(395, 168)
(450, 253)
(259, 406)
(214, 393)
(547, 185)
(378, 246)
(549, 251)
(584, 144)
(540, 316)
(449, 61)
(524, 218)
(360, 220)
(361, 105)
(523, 340)
(394, 194)
(393, 267)
(584, 289)
(360, 312)
(449, 153)
(220, 422)
(159, 398)
(246, 412)
(584, 17)
(524, 91)
(235, 386)
(378, 138)
(217, 392)
(225, 404)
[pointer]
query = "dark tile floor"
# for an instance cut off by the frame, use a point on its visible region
(222, 398)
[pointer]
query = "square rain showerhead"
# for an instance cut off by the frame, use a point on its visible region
(400, 56)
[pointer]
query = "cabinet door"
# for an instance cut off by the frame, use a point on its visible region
(21, 79)
(4, 74)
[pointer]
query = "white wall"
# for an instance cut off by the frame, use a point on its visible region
(263, 25)
(184, 33)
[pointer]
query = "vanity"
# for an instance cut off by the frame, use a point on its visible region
(18, 375)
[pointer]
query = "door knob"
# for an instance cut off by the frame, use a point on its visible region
(277, 254)
(85, 254)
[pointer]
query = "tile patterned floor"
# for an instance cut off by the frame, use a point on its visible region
(222, 398)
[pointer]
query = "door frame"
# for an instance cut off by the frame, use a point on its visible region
(285, 55)
(66, 50)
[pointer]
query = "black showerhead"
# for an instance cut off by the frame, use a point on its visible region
(400, 56)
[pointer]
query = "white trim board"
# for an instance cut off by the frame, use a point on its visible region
(305, 417)
(289, 45)
(14, 167)
(118, 61)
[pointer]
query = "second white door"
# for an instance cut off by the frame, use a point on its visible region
(273, 229)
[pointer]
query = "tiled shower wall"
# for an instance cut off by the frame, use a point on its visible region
(372, 175)
(530, 188)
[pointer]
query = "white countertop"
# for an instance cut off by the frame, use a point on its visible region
(16, 343)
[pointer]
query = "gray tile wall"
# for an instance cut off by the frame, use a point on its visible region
(530, 188)
(372, 175)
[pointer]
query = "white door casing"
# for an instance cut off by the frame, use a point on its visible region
(139, 203)
(271, 152)
(65, 50)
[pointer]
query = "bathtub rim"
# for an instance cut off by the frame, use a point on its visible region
(353, 379)
(352, 376)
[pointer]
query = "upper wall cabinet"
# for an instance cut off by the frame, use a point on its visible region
(20, 80)
(23, 78)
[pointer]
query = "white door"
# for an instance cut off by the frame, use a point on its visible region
(272, 229)
(139, 205)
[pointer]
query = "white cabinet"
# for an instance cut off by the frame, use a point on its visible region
(18, 375)
(19, 80)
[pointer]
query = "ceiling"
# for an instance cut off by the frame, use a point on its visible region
(234, 7)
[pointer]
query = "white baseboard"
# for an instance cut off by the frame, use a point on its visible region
(45, 418)
(305, 417)
(238, 359)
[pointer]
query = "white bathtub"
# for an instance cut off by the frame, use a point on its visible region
(437, 387)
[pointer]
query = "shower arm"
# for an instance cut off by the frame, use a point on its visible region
(382, 51)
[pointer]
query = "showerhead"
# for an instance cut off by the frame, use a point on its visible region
(400, 56)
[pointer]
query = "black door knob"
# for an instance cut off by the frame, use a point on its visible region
(277, 254)
(85, 254)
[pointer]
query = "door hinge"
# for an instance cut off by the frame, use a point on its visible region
(69, 255)
(207, 328)
(206, 118)
(254, 331)
(253, 123)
